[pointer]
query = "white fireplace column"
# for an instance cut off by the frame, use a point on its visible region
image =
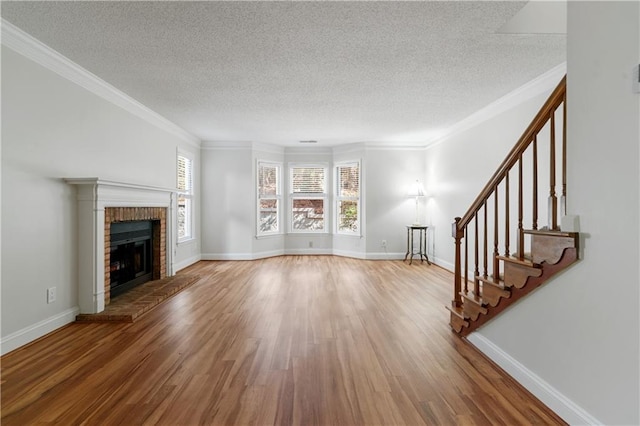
(94, 195)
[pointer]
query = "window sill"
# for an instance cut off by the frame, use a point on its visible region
(265, 236)
(307, 233)
(187, 240)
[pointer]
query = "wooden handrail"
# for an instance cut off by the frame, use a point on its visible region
(554, 100)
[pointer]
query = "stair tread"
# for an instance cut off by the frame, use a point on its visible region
(457, 311)
(550, 232)
(489, 280)
(473, 298)
(526, 261)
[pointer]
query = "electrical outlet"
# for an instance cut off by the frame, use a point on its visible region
(310, 244)
(51, 295)
(384, 243)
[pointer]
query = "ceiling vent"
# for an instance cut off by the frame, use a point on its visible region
(309, 141)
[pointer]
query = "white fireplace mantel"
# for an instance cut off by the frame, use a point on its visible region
(94, 195)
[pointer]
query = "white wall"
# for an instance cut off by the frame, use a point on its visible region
(228, 201)
(389, 174)
(51, 129)
(575, 341)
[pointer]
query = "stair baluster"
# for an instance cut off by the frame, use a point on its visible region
(534, 225)
(486, 240)
(506, 215)
(520, 241)
(496, 253)
(466, 260)
(476, 272)
(553, 200)
(563, 199)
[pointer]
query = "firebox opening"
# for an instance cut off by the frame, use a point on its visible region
(131, 257)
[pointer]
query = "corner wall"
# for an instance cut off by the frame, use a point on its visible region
(51, 129)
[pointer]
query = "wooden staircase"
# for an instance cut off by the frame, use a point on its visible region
(497, 216)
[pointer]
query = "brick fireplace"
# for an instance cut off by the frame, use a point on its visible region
(158, 216)
(102, 203)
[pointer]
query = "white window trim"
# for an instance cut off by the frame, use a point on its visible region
(189, 195)
(278, 198)
(338, 198)
(308, 196)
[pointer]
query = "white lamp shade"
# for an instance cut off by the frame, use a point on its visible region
(416, 190)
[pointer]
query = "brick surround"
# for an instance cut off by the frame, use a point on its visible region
(158, 216)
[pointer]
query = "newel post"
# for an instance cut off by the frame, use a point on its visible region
(457, 234)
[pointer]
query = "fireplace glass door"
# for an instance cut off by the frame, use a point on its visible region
(131, 255)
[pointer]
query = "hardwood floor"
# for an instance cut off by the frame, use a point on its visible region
(313, 340)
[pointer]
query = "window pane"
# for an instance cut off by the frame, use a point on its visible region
(185, 174)
(268, 215)
(348, 216)
(348, 181)
(268, 180)
(184, 216)
(308, 215)
(308, 180)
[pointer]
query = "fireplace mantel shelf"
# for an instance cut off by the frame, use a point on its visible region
(102, 182)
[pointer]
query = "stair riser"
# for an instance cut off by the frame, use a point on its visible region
(492, 294)
(472, 310)
(516, 275)
(457, 323)
(549, 249)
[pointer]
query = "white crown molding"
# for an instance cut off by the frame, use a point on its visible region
(308, 150)
(31, 48)
(227, 145)
(268, 148)
(348, 148)
(539, 85)
(571, 412)
(386, 147)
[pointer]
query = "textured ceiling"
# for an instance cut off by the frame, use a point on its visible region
(281, 72)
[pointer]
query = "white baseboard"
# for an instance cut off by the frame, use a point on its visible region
(443, 263)
(37, 330)
(551, 397)
(266, 254)
(302, 252)
(308, 251)
(187, 262)
(352, 254)
(384, 256)
(226, 256)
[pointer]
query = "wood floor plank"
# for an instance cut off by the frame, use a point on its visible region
(291, 340)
